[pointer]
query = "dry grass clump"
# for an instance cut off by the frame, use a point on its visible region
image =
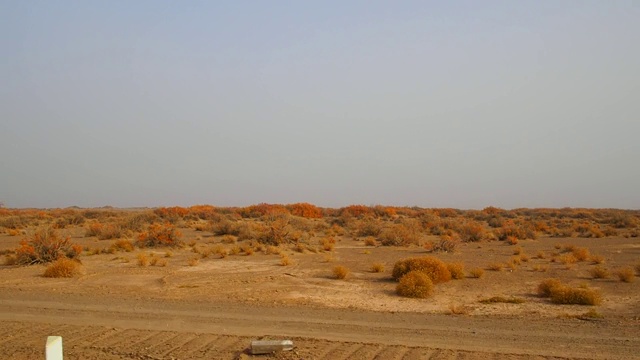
(476, 273)
(415, 284)
(220, 250)
(455, 309)
(156, 261)
(446, 244)
(625, 274)
(272, 250)
(591, 314)
(62, 268)
(540, 255)
(597, 259)
(285, 260)
(567, 259)
(563, 294)
(517, 251)
(456, 270)
(340, 272)
(328, 243)
(502, 299)
(123, 245)
(193, 261)
(512, 240)
(545, 287)
(370, 241)
(540, 268)
(229, 239)
(377, 267)
(143, 259)
(235, 250)
(581, 254)
(495, 266)
(433, 267)
(575, 296)
(247, 249)
(599, 272)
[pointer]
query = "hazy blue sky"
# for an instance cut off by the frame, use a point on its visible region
(460, 104)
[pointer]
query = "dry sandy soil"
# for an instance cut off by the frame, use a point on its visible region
(212, 310)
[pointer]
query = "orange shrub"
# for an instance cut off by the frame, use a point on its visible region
(340, 272)
(45, 245)
(62, 268)
(356, 211)
(305, 210)
(160, 235)
(471, 232)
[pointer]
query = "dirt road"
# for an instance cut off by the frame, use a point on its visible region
(115, 328)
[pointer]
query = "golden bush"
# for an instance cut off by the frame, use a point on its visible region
(415, 284)
(431, 266)
(62, 268)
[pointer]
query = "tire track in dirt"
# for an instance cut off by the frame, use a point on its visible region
(393, 352)
(367, 351)
(177, 345)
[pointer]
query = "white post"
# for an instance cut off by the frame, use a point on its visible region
(53, 350)
(270, 346)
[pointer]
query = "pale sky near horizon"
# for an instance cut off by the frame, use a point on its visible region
(462, 104)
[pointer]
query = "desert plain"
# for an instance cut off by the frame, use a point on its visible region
(214, 279)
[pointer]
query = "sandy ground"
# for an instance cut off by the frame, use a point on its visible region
(119, 310)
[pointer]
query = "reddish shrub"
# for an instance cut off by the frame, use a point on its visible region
(159, 235)
(305, 210)
(44, 246)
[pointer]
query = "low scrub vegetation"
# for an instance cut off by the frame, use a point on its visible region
(377, 267)
(476, 273)
(160, 235)
(432, 267)
(415, 284)
(625, 274)
(456, 270)
(45, 245)
(599, 272)
(502, 299)
(340, 272)
(562, 294)
(62, 268)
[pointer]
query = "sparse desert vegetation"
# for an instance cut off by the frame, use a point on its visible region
(268, 254)
(62, 268)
